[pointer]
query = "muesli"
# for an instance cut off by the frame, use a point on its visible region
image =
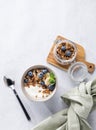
(39, 82)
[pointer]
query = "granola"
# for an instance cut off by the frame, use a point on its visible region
(39, 82)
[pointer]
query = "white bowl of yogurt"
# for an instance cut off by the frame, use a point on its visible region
(39, 83)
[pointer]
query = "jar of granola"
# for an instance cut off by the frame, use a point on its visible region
(65, 53)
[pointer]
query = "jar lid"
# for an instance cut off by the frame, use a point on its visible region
(78, 71)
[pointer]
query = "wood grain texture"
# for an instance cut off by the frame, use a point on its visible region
(79, 58)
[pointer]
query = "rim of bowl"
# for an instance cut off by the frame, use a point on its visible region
(30, 97)
(64, 62)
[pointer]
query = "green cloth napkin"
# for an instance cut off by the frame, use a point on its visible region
(81, 101)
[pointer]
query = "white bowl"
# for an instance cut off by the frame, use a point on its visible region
(32, 98)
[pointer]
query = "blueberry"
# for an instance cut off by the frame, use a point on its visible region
(42, 83)
(51, 87)
(30, 73)
(63, 48)
(40, 75)
(25, 80)
(44, 71)
(68, 53)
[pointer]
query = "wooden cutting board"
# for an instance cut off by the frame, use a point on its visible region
(79, 58)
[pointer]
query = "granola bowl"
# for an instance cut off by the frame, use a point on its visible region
(65, 52)
(39, 83)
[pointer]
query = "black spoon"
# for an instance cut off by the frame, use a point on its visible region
(10, 84)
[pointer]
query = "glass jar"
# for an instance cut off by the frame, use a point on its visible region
(78, 72)
(65, 53)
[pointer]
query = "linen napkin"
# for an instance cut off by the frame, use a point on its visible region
(80, 101)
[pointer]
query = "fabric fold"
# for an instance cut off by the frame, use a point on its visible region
(80, 101)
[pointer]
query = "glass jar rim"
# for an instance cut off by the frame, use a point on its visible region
(76, 66)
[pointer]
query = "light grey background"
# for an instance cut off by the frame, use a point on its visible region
(27, 31)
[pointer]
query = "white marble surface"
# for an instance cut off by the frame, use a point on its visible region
(27, 31)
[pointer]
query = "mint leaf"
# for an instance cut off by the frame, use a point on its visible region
(52, 79)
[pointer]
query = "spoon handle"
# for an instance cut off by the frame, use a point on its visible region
(24, 110)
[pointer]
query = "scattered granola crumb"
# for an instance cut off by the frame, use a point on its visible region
(39, 91)
(36, 96)
(42, 96)
(46, 91)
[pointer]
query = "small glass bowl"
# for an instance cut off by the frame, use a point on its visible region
(61, 60)
(78, 72)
